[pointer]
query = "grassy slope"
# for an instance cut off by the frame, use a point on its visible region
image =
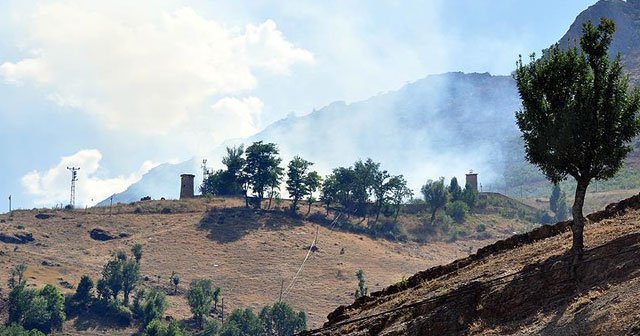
(246, 252)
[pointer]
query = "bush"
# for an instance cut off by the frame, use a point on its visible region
(458, 211)
(481, 227)
(18, 330)
(37, 309)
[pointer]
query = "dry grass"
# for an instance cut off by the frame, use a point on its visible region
(248, 253)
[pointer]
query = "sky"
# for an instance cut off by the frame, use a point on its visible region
(119, 87)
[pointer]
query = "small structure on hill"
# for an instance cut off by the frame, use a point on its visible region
(472, 180)
(186, 186)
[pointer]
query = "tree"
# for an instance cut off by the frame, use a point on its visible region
(381, 187)
(37, 309)
(152, 307)
(281, 320)
(313, 182)
(454, 189)
(83, 295)
(435, 195)
(17, 275)
(329, 191)
(470, 196)
(136, 250)
(364, 177)
(18, 330)
(577, 117)
(399, 192)
(362, 290)
(458, 210)
(130, 278)
(297, 173)
(226, 182)
(242, 323)
(262, 169)
(174, 280)
(199, 297)
(112, 276)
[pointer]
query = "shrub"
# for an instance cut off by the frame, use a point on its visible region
(280, 319)
(458, 211)
(18, 330)
(481, 227)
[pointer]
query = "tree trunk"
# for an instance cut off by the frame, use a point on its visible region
(378, 213)
(270, 198)
(578, 219)
(309, 209)
(294, 205)
(433, 215)
(395, 218)
(246, 199)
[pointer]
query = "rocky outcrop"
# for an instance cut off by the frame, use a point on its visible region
(44, 216)
(102, 235)
(16, 237)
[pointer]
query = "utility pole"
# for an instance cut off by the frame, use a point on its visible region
(205, 171)
(9, 204)
(110, 204)
(74, 178)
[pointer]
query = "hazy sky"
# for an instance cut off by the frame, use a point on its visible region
(117, 87)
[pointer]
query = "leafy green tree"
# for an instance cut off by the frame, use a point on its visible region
(84, 295)
(329, 191)
(381, 187)
(262, 169)
(470, 196)
(17, 275)
(136, 250)
(174, 280)
(242, 322)
(362, 289)
(345, 181)
(399, 192)
(454, 189)
(152, 307)
(216, 297)
(20, 298)
(435, 195)
(113, 276)
(228, 182)
(130, 278)
(281, 320)
(365, 173)
(199, 297)
(458, 210)
(37, 309)
(18, 330)
(297, 172)
(578, 117)
(313, 182)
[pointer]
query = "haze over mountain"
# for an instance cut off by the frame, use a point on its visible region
(441, 125)
(447, 123)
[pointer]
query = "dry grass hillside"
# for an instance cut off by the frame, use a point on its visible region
(246, 252)
(521, 285)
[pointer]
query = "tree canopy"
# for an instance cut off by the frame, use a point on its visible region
(578, 116)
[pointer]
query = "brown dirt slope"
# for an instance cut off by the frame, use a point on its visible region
(519, 286)
(247, 253)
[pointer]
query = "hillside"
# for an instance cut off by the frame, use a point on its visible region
(250, 254)
(521, 285)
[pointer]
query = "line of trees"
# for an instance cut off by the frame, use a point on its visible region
(360, 190)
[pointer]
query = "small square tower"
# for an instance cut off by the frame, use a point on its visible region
(186, 186)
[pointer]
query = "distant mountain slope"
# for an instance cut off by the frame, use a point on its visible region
(161, 181)
(442, 125)
(626, 41)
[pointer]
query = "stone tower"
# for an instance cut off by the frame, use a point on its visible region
(472, 180)
(186, 186)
